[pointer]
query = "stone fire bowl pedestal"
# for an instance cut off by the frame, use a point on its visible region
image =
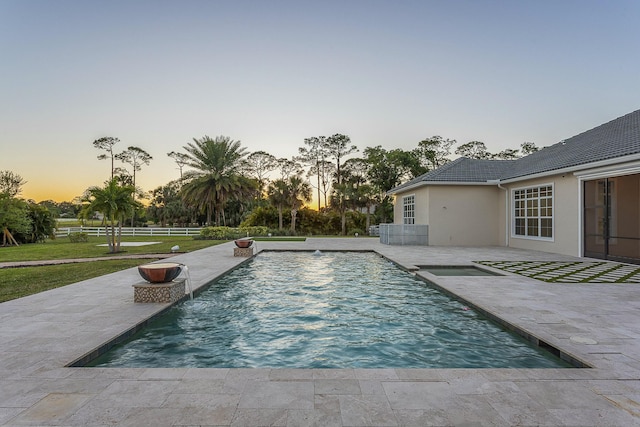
(168, 292)
(160, 286)
(243, 248)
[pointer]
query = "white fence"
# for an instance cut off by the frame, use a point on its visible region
(131, 231)
(404, 234)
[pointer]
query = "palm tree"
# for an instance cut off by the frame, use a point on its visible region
(114, 202)
(217, 175)
(299, 193)
(278, 195)
(367, 197)
(200, 193)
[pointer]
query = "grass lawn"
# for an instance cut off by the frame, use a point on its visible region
(23, 281)
(62, 248)
(20, 282)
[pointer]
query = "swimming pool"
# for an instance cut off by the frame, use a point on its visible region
(333, 310)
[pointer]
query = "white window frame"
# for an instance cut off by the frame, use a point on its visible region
(526, 209)
(409, 207)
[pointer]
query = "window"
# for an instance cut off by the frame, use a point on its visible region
(533, 212)
(409, 209)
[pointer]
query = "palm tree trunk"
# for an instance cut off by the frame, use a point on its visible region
(109, 232)
(280, 217)
(318, 169)
(119, 235)
(294, 213)
(106, 235)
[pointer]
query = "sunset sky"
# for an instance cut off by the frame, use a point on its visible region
(156, 74)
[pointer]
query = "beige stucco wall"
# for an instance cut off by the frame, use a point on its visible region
(457, 215)
(463, 215)
(475, 215)
(566, 213)
(421, 209)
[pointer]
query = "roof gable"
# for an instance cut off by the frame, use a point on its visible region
(463, 170)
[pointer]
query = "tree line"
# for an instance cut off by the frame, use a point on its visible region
(221, 183)
(22, 221)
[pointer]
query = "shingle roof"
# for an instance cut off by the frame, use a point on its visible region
(617, 138)
(463, 170)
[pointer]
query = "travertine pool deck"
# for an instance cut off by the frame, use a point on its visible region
(597, 323)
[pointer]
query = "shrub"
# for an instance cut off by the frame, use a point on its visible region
(219, 233)
(78, 237)
(229, 233)
(255, 230)
(353, 231)
(263, 216)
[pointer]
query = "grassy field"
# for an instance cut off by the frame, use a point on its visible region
(20, 282)
(62, 248)
(23, 281)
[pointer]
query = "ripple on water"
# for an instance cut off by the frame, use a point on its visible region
(338, 310)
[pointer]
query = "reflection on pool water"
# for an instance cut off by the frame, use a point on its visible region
(336, 310)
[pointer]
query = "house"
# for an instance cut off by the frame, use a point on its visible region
(578, 197)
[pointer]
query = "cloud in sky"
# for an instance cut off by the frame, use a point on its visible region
(158, 73)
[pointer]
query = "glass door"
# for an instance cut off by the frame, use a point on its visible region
(596, 218)
(612, 218)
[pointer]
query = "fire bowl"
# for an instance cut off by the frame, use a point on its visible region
(161, 272)
(244, 243)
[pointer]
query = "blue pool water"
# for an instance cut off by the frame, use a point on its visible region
(334, 310)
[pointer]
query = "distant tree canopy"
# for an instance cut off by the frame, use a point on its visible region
(11, 183)
(21, 221)
(434, 152)
(106, 144)
(478, 150)
(221, 183)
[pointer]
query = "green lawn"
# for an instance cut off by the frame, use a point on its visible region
(20, 282)
(62, 248)
(23, 281)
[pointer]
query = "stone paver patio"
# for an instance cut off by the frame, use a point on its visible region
(571, 272)
(596, 323)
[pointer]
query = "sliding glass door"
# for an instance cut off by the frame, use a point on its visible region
(612, 218)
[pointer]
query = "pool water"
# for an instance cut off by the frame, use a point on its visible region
(457, 270)
(333, 310)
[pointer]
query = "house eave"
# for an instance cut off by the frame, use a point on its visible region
(576, 169)
(426, 183)
(583, 169)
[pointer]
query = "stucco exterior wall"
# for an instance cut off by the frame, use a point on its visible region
(463, 215)
(457, 215)
(566, 216)
(477, 215)
(421, 206)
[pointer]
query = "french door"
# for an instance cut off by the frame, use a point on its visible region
(612, 218)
